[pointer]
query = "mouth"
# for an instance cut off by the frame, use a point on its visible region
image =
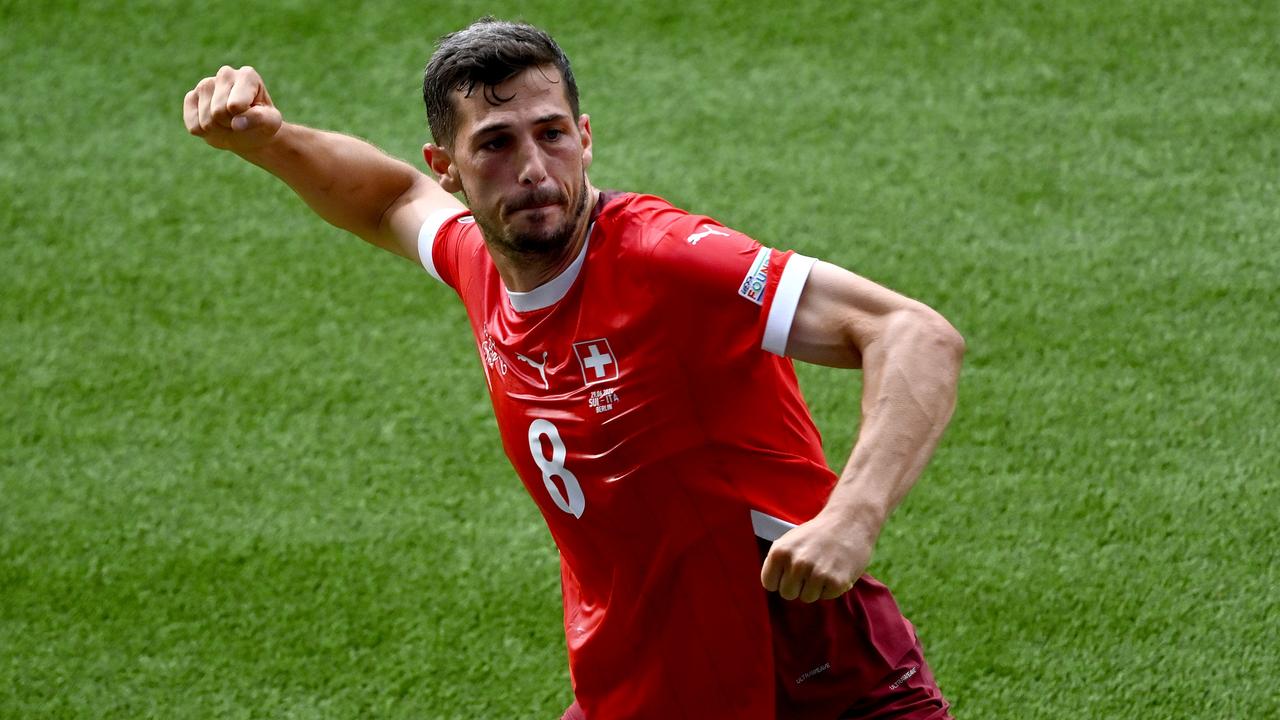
(533, 214)
(536, 203)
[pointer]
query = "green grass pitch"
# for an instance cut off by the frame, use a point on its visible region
(247, 464)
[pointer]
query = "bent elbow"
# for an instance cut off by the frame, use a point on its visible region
(951, 339)
(942, 338)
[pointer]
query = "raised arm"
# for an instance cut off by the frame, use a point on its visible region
(910, 357)
(346, 181)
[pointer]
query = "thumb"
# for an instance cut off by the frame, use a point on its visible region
(775, 565)
(259, 119)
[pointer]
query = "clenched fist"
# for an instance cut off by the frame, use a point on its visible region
(818, 560)
(232, 110)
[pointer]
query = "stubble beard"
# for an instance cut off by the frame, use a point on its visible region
(536, 243)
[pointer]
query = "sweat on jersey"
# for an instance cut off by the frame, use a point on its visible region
(644, 400)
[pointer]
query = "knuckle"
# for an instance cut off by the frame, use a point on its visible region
(226, 71)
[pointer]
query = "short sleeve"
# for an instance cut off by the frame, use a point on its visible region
(438, 242)
(728, 283)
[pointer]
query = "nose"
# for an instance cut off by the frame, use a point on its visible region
(532, 165)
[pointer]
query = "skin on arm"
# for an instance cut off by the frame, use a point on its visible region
(910, 357)
(346, 181)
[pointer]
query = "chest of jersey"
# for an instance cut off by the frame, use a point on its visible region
(588, 394)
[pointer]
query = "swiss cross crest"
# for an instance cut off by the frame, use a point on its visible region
(597, 360)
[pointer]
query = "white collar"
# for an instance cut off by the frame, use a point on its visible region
(550, 292)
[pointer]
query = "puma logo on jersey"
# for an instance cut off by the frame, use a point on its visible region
(541, 367)
(694, 238)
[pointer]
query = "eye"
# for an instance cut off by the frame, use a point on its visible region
(496, 143)
(554, 133)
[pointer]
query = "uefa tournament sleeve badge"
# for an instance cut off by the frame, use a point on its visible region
(757, 277)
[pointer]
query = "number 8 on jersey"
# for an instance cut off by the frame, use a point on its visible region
(553, 467)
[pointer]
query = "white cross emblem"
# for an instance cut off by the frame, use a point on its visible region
(598, 362)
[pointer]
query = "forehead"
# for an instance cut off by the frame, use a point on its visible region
(534, 92)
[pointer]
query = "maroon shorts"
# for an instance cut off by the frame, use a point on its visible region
(908, 693)
(852, 657)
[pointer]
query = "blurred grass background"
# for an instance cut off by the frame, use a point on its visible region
(248, 467)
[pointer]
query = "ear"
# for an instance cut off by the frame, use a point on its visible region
(441, 163)
(584, 130)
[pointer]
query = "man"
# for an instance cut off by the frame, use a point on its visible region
(636, 357)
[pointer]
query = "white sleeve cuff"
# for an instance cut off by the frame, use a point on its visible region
(427, 236)
(785, 299)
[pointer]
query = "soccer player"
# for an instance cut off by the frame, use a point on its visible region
(637, 357)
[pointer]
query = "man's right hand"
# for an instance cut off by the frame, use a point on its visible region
(345, 180)
(232, 110)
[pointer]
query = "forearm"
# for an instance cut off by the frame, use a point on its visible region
(910, 358)
(346, 181)
(909, 392)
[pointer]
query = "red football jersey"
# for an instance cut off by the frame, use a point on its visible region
(644, 401)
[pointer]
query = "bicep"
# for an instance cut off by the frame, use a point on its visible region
(402, 220)
(840, 314)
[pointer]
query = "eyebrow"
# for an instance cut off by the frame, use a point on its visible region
(501, 126)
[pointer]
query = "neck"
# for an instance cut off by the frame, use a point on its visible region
(522, 272)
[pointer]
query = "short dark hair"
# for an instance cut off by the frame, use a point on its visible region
(486, 53)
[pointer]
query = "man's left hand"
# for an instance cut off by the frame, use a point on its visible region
(819, 560)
